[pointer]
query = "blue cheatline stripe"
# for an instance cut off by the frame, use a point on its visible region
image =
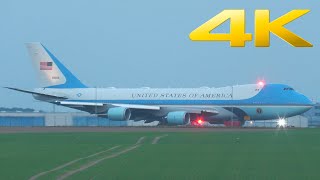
(71, 80)
(190, 102)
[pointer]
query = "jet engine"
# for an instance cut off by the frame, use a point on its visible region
(178, 118)
(119, 114)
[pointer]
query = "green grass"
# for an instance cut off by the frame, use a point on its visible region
(293, 154)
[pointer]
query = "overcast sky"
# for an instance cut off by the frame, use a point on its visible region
(146, 43)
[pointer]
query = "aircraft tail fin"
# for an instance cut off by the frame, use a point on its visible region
(50, 71)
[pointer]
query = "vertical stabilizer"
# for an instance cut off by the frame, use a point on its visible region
(50, 71)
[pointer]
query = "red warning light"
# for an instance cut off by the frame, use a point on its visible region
(261, 83)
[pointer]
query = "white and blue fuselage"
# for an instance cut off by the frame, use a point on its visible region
(168, 105)
(252, 101)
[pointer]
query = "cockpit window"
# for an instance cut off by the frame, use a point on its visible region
(288, 89)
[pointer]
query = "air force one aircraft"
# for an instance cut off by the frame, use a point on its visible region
(176, 106)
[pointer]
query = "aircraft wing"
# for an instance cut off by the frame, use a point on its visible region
(137, 106)
(197, 110)
(83, 105)
(131, 106)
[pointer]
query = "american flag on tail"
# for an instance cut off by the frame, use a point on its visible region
(45, 65)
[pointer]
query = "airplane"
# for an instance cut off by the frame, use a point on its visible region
(170, 106)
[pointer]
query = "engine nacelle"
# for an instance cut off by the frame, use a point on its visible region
(178, 118)
(119, 114)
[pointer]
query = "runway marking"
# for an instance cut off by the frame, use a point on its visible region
(69, 163)
(90, 164)
(86, 166)
(140, 140)
(156, 139)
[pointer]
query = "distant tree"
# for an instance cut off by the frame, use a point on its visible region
(17, 109)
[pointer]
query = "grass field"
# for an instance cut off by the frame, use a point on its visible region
(275, 154)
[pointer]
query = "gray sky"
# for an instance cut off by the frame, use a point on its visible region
(146, 43)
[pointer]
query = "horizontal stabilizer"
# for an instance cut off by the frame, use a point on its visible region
(36, 93)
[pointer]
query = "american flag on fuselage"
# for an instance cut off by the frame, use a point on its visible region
(45, 65)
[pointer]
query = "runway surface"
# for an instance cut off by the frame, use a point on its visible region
(124, 129)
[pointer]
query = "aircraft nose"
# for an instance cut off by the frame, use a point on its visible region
(303, 100)
(308, 104)
(307, 101)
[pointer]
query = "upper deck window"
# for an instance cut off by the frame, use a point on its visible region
(288, 89)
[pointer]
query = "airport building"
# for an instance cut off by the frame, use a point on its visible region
(314, 116)
(21, 119)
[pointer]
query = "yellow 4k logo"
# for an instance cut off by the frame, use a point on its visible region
(263, 27)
